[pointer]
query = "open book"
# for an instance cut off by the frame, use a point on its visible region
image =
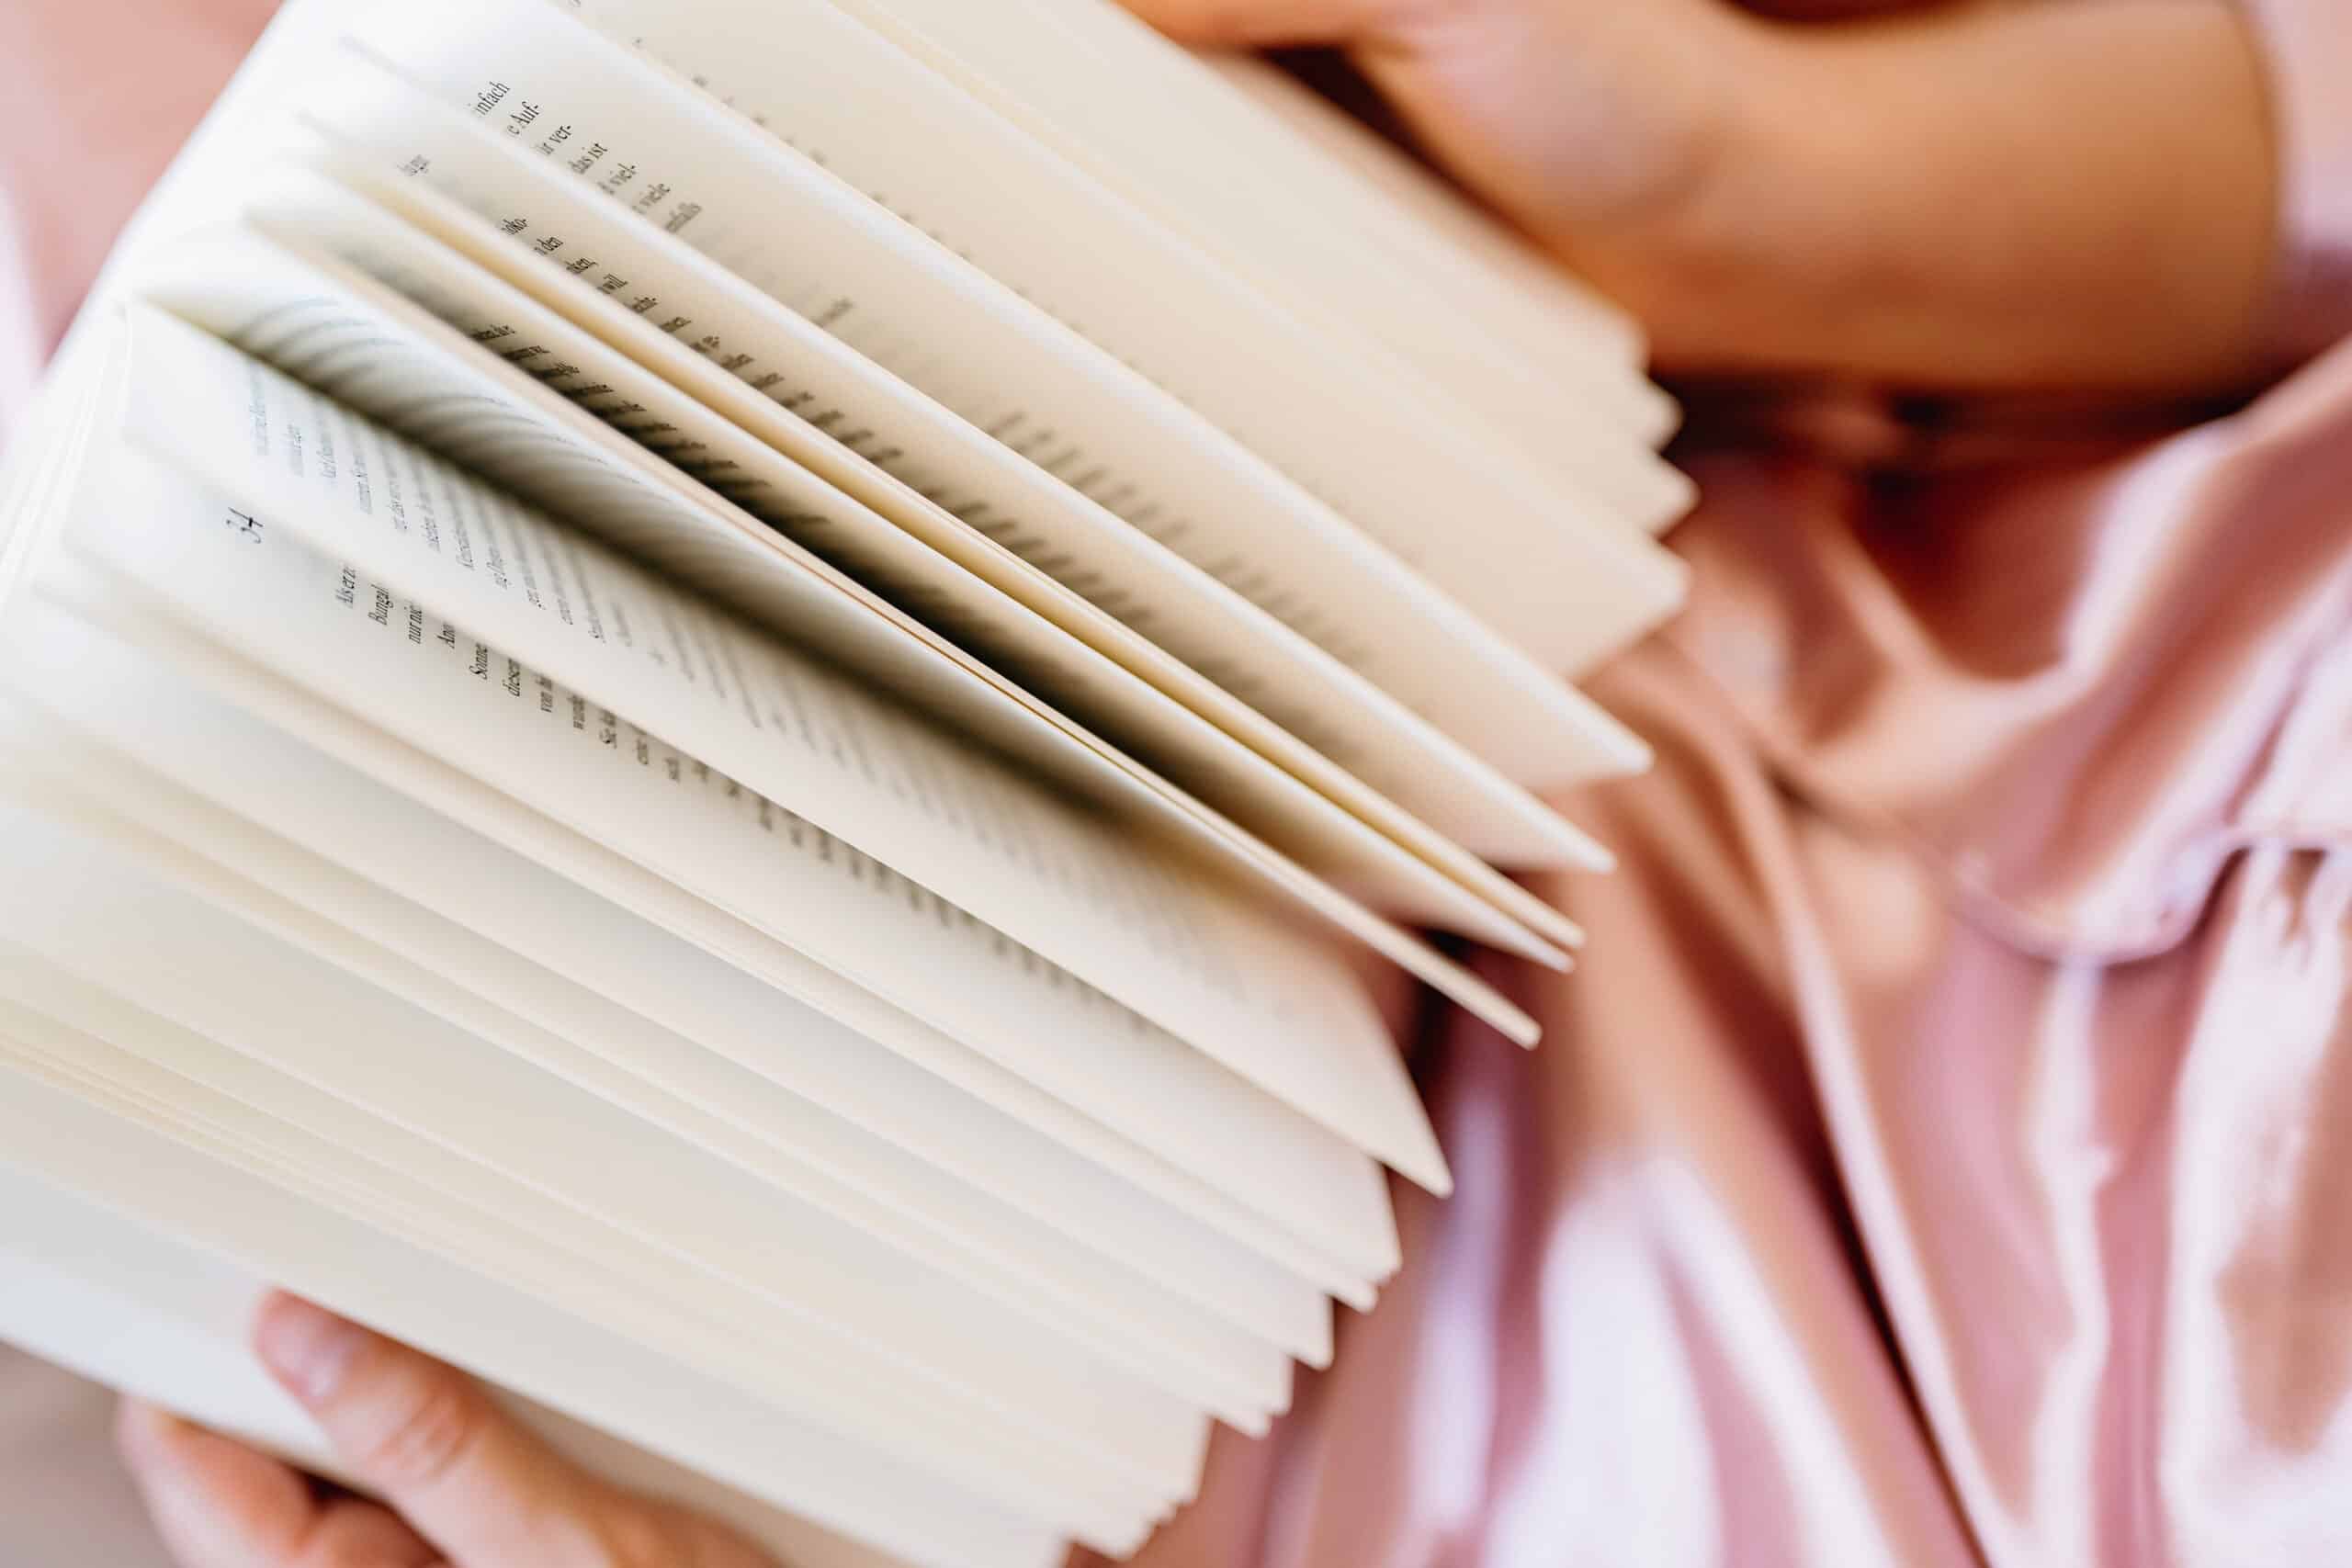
(726, 710)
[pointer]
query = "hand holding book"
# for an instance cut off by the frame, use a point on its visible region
(740, 775)
(1940, 196)
(727, 756)
(463, 1485)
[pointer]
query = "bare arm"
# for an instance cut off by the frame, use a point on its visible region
(1971, 195)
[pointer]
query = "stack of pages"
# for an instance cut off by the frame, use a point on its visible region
(725, 710)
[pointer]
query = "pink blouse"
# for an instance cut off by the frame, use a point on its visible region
(1946, 1155)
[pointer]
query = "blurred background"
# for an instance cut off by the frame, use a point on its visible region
(95, 97)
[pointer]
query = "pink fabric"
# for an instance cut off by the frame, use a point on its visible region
(1943, 1158)
(95, 95)
(1946, 1156)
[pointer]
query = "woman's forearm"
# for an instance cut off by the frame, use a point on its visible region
(2045, 194)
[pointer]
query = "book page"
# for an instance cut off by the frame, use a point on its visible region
(665, 304)
(1300, 405)
(534, 306)
(464, 1316)
(1580, 435)
(1218, 970)
(359, 799)
(1448, 292)
(795, 885)
(891, 1188)
(582, 765)
(666, 1079)
(44, 458)
(47, 1049)
(1056, 55)
(1510, 824)
(500, 427)
(716, 180)
(287, 285)
(1521, 394)
(317, 1052)
(395, 1100)
(154, 1318)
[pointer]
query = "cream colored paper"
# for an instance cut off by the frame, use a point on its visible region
(776, 218)
(344, 1071)
(665, 1078)
(1324, 410)
(522, 216)
(504, 429)
(371, 251)
(1180, 1161)
(1220, 971)
(1171, 183)
(93, 1145)
(308, 1167)
(149, 1314)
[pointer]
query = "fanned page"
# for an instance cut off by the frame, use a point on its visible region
(638, 1231)
(285, 290)
(608, 382)
(657, 299)
(1138, 120)
(1272, 353)
(220, 783)
(110, 1150)
(1520, 310)
(911, 304)
(1303, 399)
(729, 711)
(499, 421)
(734, 1112)
(1531, 398)
(77, 904)
(1528, 310)
(1024, 1044)
(808, 747)
(149, 1312)
(1037, 1054)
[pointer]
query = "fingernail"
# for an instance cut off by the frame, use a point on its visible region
(307, 1348)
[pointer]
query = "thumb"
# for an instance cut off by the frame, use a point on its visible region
(431, 1442)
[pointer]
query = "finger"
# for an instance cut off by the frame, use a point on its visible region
(353, 1534)
(217, 1504)
(637, 1532)
(1274, 24)
(428, 1439)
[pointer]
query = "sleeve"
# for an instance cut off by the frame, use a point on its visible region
(2307, 46)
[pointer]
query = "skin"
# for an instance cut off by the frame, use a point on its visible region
(1963, 197)
(1974, 197)
(463, 1485)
